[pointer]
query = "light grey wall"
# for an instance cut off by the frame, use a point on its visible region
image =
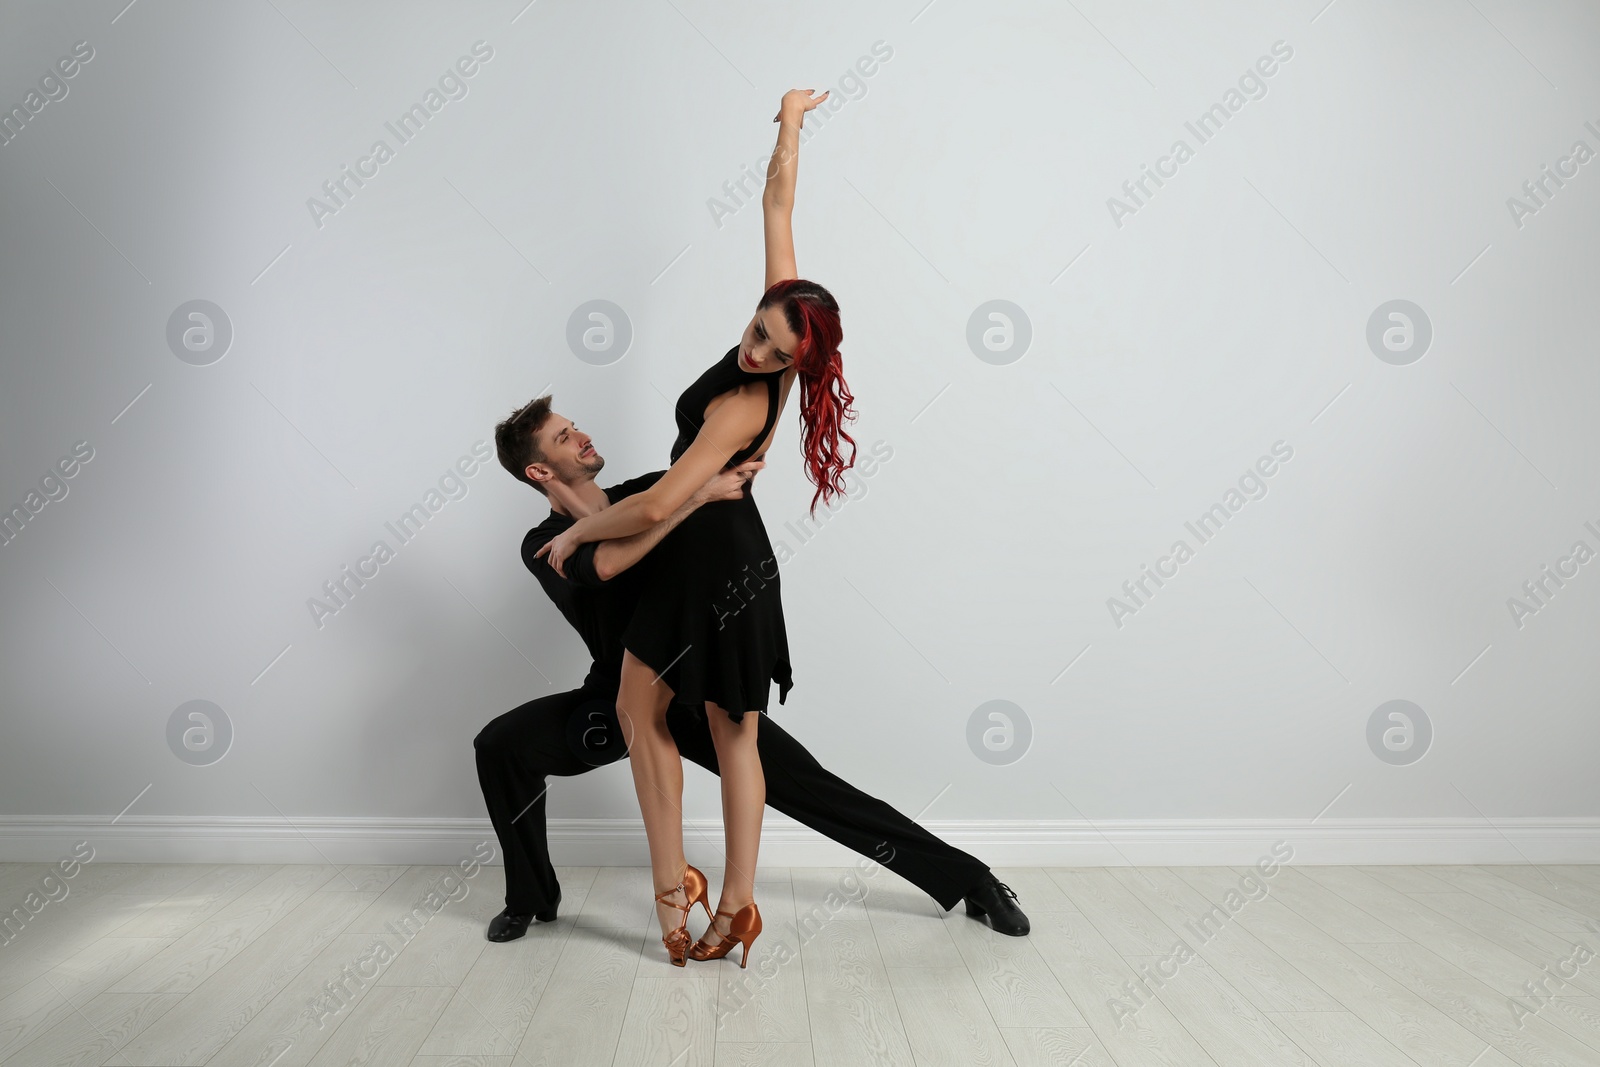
(1222, 321)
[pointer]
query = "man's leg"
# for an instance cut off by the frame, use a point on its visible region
(515, 753)
(802, 789)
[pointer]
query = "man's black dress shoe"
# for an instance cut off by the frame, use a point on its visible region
(508, 926)
(994, 903)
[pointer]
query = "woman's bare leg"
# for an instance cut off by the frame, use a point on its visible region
(642, 702)
(744, 800)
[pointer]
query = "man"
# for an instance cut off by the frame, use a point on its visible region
(570, 733)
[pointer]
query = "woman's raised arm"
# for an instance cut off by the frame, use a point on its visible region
(777, 198)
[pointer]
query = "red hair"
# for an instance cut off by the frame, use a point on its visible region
(825, 399)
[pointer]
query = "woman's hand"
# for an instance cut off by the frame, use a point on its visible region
(559, 549)
(797, 102)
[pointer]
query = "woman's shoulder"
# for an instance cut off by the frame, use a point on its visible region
(741, 407)
(759, 387)
(745, 394)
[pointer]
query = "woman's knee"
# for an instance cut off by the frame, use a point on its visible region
(725, 731)
(641, 691)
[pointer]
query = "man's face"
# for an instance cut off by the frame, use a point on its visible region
(569, 453)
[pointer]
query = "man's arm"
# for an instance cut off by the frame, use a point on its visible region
(613, 557)
(736, 419)
(598, 562)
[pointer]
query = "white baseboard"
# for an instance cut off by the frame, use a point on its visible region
(620, 842)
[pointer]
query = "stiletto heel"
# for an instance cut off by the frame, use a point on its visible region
(744, 926)
(694, 887)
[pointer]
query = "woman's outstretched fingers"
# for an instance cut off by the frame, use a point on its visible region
(807, 101)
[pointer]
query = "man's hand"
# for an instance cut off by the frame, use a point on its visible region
(729, 484)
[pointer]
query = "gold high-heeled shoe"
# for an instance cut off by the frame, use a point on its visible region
(694, 887)
(744, 926)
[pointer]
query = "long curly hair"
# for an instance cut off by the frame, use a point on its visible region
(825, 399)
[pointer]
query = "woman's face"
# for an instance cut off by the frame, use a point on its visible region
(768, 345)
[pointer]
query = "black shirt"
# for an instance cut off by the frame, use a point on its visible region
(598, 610)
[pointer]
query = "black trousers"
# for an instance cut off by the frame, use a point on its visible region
(567, 734)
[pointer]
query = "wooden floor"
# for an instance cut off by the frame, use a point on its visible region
(1331, 966)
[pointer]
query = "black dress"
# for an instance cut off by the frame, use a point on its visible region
(710, 614)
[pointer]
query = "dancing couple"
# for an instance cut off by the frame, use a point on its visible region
(642, 570)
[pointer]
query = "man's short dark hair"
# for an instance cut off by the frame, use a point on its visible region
(516, 440)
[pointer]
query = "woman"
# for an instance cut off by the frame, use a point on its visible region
(709, 627)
